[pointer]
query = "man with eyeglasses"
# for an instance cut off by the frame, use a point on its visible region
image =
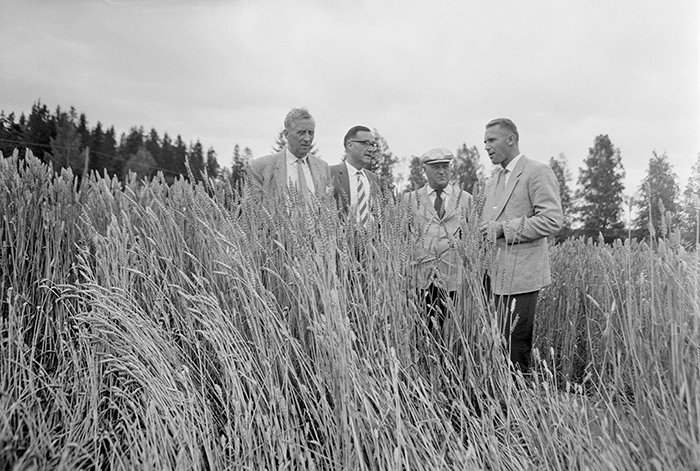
(437, 211)
(355, 188)
(292, 168)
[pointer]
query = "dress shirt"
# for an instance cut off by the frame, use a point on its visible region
(509, 169)
(446, 195)
(292, 172)
(352, 178)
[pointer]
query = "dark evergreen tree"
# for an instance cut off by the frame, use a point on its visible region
(383, 164)
(600, 194)
(195, 157)
(416, 176)
(239, 167)
(561, 170)
(41, 128)
(67, 146)
(690, 208)
(657, 195)
(11, 135)
(212, 165)
(467, 171)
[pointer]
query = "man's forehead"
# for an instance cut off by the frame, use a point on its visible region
(303, 123)
(365, 135)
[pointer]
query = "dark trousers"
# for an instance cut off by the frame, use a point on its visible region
(516, 316)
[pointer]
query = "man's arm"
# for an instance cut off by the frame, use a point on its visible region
(547, 217)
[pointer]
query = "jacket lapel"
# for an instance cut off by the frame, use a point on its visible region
(512, 183)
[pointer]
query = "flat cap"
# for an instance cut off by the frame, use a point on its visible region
(438, 155)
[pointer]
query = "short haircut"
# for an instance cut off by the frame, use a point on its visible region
(295, 114)
(352, 132)
(506, 124)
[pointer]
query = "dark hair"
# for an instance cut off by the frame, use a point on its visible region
(506, 124)
(352, 132)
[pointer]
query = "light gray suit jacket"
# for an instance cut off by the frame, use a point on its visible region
(530, 210)
(436, 257)
(268, 175)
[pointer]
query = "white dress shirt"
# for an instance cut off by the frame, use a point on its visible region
(510, 167)
(352, 178)
(292, 171)
(446, 195)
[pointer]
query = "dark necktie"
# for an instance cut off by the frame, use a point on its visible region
(439, 204)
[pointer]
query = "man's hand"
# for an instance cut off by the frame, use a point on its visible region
(491, 227)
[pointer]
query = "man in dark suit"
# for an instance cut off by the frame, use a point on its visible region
(438, 210)
(355, 188)
(521, 209)
(273, 175)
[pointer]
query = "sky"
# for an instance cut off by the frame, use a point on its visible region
(424, 74)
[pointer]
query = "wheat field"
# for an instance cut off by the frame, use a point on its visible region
(148, 326)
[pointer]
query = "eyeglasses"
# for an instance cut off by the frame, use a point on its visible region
(371, 144)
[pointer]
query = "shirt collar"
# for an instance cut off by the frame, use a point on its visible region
(352, 171)
(291, 158)
(511, 165)
(445, 191)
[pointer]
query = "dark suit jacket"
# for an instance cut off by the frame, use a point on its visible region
(268, 175)
(341, 187)
(530, 210)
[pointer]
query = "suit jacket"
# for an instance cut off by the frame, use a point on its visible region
(341, 187)
(268, 175)
(530, 210)
(435, 255)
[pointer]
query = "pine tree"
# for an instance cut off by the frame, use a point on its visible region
(416, 177)
(67, 146)
(212, 165)
(383, 164)
(280, 142)
(239, 168)
(467, 171)
(658, 190)
(11, 135)
(600, 193)
(41, 128)
(561, 170)
(690, 208)
(195, 157)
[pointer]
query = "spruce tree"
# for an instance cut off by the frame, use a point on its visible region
(658, 191)
(600, 194)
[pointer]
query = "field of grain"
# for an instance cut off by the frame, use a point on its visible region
(147, 326)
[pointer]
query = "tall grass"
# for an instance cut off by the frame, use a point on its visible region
(147, 326)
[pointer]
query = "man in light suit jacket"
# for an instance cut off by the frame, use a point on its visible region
(521, 209)
(438, 210)
(355, 188)
(273, 175)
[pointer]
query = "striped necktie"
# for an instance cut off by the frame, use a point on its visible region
(362, 207)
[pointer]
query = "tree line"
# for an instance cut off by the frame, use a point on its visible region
(596, 208)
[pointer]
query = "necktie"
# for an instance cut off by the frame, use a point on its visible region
(505, 178)
(362, 209)
(301, 180)
(439, 206)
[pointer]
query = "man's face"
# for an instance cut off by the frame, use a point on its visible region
(360, 149)
(438, 175)
(300, 136)
(499, 145)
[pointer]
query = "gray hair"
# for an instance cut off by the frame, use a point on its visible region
(295, 114)
(506, 124)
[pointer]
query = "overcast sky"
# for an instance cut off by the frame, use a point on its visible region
(424, 74)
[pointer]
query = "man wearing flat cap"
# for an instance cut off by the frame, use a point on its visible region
(438, 210)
